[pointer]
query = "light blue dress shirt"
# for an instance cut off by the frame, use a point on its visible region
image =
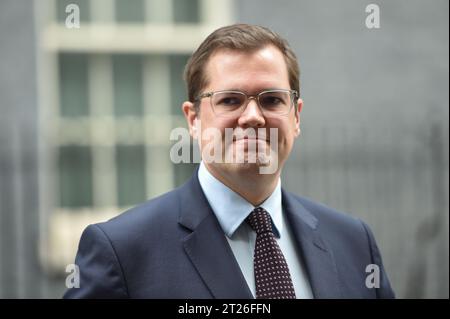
(231, 210)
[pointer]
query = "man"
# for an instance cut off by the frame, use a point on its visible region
(231, 231)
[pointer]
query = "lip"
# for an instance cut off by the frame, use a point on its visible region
(250, 138)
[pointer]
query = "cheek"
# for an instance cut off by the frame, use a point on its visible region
(212, 123)
(286, 133)
(284, 127)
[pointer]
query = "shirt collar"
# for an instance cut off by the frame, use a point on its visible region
(231, 209)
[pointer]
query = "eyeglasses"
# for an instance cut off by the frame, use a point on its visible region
(233, 103)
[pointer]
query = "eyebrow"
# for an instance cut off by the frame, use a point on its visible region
(246, 92)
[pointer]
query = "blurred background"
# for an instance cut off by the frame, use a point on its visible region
(86, 113)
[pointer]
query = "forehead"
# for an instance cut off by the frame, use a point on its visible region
(248, 71)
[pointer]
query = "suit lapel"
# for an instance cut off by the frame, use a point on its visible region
(207, 247)
(316, 256)
(211, 255)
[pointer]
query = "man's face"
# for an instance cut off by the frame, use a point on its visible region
(250, 73)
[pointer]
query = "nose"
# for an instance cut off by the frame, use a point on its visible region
(252, 115)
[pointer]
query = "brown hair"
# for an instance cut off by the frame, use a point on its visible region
(241, 37)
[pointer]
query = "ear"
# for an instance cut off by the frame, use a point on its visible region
(297, 117)
(191, 118)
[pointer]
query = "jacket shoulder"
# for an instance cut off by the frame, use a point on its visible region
(324, 213)
(334, 225)
(149, 217)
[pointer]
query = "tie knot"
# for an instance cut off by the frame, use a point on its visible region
(259, 220)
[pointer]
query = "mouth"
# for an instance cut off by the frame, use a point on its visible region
(250, 138)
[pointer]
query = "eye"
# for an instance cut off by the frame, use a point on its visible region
(230, 101)
(271, 101)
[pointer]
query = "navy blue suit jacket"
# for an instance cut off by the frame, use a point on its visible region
(173, 247)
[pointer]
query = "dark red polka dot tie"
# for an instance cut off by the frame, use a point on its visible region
(272, 277)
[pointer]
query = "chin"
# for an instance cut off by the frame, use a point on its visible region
(250, 163)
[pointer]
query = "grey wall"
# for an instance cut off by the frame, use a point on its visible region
(374, 124)
(19, 272)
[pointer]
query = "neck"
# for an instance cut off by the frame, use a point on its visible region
(248, 183)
